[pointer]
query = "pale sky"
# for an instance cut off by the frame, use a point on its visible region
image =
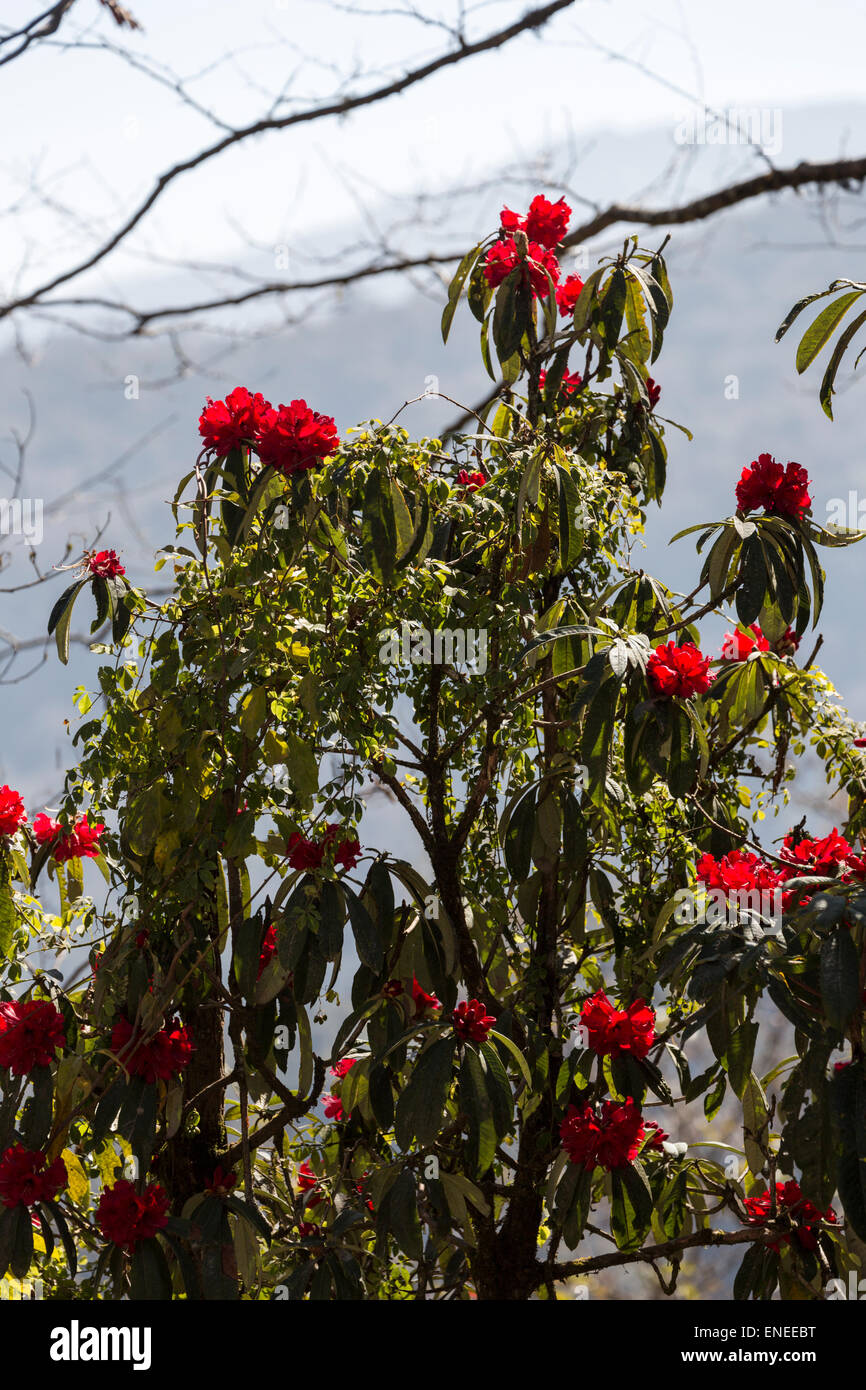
(93, 134)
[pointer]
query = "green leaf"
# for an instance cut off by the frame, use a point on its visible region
(150, 1279)
(840, 978)
(753, 582)
(379, 527)
(756, 1125)
(368, 942)
(455, 288)
(631, 1206)
(474, 1101)
(61, 617)
(332, 908)
(36, 1120)
(241, 1207)
(397, 1215)
(825, 393)
(498, 1089)
(515, 1052)
(822, 328)
(739, 1054)
(422, 1101)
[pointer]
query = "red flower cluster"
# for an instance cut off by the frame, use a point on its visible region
(30, 1033)
(823, 856)
(167, 1052)
(126, 1216)
(780, 491)
(653, 391)
(612, 1032)
(571, 382)
(221, 1183)
(239, 419)
(12, 813)
(269, 949)
(790, 1203)
(308, 854)
(24, 1178)
(546, 222)
(738, 645)
(472, 1022)
(291, 438)
(309, 1183)
(296, 438)
(424, 1002)
(567, 295)
(471, 481)
(742, 871)
(503, 257)
(738, 871)
(79, 842)
(682, 671)
(106, 564)
(607, 1136)
(544, 226)
(334, 1108)
(344, 1065)
(654, 1135)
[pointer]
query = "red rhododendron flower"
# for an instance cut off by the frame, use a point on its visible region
(125, 1216)
(307, 854)
(571, 382)
(546, 222)
(12, 813)
(739, 870)
(30, 1033)
(738, 645)
(24, 1178)
(45, 829)
(106, 564)
(654, 1136)
(304, 853)
(157, 1058)
(511, 222)
(472, 1021)
(472, 481)
(653, 390)
(221, 1183)
(682, 671)
(81, 841)
(606, 1136)
(790, 1204)
(344, 1065)
(780, 491)
(309, 1183)
(503, 257)
(423, 1001)
(295, 438)
(333, 1108)
(612, 1031)
(239, 419)
(567, 295)
(269, 948)
(809, 856)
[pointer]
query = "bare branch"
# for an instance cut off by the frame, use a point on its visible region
(532, 21)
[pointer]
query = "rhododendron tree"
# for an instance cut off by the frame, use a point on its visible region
(521, 1022)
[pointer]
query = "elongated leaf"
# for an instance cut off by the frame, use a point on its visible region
(420, 1105)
